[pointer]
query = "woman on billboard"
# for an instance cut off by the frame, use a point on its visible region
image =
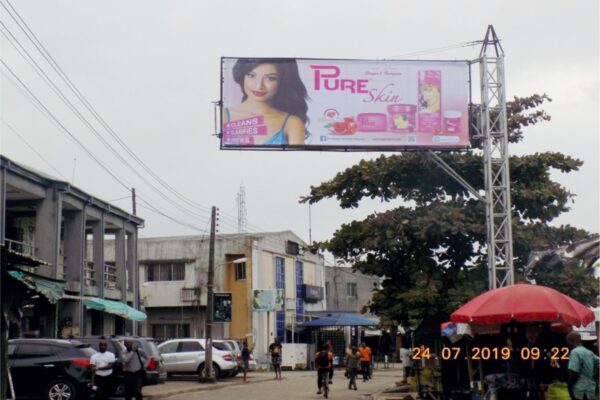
(272, 91)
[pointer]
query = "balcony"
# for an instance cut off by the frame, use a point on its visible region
(110, 277)
(27, 249)
(89, 273)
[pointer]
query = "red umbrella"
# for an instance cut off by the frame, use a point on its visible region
(523, 303)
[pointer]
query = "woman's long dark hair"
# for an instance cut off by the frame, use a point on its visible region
(291, 93)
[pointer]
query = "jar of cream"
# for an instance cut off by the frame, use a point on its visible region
(401, 117)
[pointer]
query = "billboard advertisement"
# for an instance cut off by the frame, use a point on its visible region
(316, 104)
(222, 307)
(268, 300)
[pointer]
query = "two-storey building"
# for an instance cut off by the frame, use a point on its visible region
(51, 221)
(173, 285)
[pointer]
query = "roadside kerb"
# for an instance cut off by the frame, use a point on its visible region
(173, 388)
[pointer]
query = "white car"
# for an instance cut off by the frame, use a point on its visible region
(236, 347)
(186, 356)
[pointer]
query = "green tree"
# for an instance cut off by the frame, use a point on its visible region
(431, 248)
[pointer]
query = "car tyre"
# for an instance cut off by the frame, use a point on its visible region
(61, 389)
(216, 372)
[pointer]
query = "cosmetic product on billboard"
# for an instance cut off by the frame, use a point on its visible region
(371, 122)
(452, 121)
(401, 117)
(430, 101)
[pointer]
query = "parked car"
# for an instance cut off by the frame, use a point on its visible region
(155, 368)
(186, 356)
(50, 368)
(236, 347)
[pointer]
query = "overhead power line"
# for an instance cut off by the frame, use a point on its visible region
(10, 127)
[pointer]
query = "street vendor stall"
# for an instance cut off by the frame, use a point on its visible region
(512, 339)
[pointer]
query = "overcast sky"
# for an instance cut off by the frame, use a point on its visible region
(151, 69)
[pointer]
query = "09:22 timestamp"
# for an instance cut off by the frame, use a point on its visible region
(492, 353)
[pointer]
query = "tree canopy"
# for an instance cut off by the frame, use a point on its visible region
(431, 248)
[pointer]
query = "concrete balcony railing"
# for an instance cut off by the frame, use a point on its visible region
(21, 247)
(110, 277)
(89, 273)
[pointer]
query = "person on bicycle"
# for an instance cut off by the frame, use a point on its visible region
(323, 361)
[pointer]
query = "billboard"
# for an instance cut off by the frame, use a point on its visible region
(222, 307)
(268, 300)
(316, 104)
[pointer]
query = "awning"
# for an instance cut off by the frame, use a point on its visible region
(340, 319)
(114, 307)
(52, 289)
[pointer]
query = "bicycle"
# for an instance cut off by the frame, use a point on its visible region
(325, 385)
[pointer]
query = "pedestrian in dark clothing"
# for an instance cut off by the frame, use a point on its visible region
(245, 359)
(275, 350)
(134, 360)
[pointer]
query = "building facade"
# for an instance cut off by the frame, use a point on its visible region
(348, 291)
(173, 273)
(52, 222)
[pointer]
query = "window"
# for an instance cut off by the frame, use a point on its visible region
(168, 348)
(352, 290)
(292, 248)
(29, 350)
(189, 346)
(170, 331)
(165, 272)
(240, 271)
(326, 288)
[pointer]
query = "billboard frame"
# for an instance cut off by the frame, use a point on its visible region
(219, 110)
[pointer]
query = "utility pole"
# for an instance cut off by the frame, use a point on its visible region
(208, 378)
(133, 205)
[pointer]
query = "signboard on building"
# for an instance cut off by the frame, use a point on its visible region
(268, 300)
(317, 104)
(312, 294)
(222, 307)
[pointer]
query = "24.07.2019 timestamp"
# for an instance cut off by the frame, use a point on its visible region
(492, 353)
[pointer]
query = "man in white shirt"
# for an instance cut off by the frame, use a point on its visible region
(102, 368)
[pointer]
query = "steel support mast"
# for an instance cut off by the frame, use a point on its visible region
(493, 130)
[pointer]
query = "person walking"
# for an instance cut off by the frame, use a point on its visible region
(405, 354)
(583, 369)
(134, 360)
(245, 358)
(102, 368)
(365, 360)
(352, 362)
(275, 350)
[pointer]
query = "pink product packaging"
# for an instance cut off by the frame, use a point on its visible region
(452, 121)
(371, 122)
(401, 117)
(430, 101)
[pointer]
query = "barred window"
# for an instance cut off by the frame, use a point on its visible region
(165, 272)
(240, 271)
(170, 331)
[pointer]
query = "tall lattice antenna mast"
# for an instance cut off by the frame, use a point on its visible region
(493, 129)
(242, 213)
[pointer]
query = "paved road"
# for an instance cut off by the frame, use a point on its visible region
(296, 385)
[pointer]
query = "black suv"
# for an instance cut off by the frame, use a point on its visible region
(50, 368)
